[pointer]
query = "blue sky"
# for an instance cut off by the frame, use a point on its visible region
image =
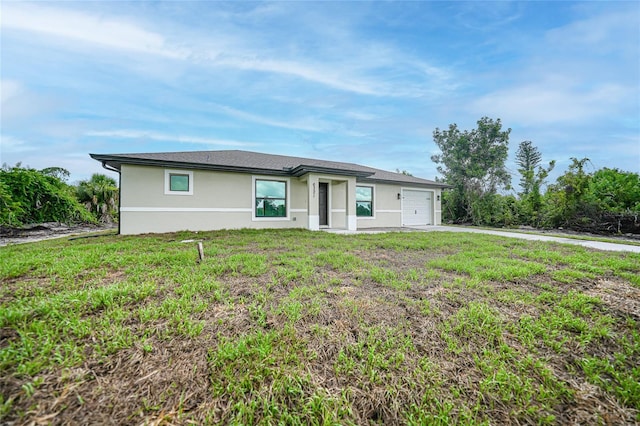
(362, 82)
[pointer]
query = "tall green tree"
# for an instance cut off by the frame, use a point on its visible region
(100, 196)
(532, 178)
(403, 172)
(473, 163)
(527, 158)
(57, 172)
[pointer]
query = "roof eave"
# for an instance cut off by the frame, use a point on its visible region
(116, 162)
(302, 170)
(401, 182)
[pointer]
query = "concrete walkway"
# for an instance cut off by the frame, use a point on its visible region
(598, 245)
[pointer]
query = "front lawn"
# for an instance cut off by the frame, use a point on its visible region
(301, 327)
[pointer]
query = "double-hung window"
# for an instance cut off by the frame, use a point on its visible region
(364, 201)
(270, 198)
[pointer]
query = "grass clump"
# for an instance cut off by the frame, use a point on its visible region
(260, 377)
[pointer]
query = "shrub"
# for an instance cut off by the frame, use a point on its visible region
(29, 196)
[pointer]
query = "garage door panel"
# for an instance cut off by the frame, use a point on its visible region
(417, 207)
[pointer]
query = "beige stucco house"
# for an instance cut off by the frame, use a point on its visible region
(208, 190)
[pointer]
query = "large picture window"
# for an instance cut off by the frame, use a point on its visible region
(271, 198)
(364, 201)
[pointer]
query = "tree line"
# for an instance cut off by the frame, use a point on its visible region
(473, 163)
(30, 196)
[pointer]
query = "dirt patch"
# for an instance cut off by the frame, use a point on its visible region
(398, 261)
(618, 296)
(134, 386)
(47, 231)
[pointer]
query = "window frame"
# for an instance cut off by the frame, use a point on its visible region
(373, 198)
(287, 199)
(167, 182)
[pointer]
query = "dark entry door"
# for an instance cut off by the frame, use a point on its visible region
(323, 193)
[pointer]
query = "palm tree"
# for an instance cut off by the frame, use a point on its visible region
(100, 195)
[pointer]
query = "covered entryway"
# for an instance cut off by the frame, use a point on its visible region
(330, 201)
(417, 207)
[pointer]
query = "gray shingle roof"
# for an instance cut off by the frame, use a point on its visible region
(247, 161)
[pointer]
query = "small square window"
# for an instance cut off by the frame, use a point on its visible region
(178, 182)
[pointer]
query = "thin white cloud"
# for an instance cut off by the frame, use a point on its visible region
(107, 32)
(599, 31)
(306, 125)
(20, 103)
(317, 73)
(359, 115)
(119, 34)
(9, 89)
(10, 144)
(157, 136)
(547, 103)
(478, 16)
(358, 71)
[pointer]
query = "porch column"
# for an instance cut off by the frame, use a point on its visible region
(352, 220)
(312, 204)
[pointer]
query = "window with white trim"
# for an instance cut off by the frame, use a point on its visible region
(270, 198)
(178, 182)
(364, 201)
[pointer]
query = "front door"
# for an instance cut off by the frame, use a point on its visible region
(323, 193)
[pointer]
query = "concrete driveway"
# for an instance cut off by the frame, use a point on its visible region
(532, 237)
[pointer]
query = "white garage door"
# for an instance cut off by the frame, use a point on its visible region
(417, 207)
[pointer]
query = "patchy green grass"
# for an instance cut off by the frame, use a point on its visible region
(296, 327)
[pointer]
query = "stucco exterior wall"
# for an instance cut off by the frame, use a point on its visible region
(225, 200)
(438, 207)
(219, 200)
(338, 204)
(388, 207)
